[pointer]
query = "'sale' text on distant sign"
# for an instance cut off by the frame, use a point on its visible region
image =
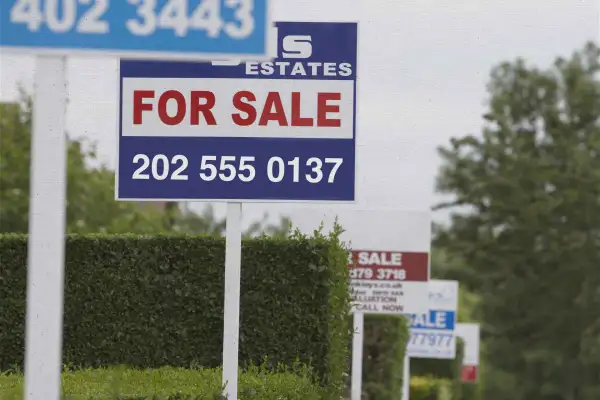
(387, 282)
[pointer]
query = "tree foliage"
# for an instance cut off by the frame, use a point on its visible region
(91, 207)
(90, 197)
(528, 189)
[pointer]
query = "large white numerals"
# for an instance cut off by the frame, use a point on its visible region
(91, 20)
(336, 165)
(273, 174)
(174, 15)
(179, 16)
(315, 164)
(207, 16)
(276, 169)
(229, 168)
(160, 167)
(245, 21)
(205, 164)
(245, 167)
(60, 16)
(146, 25)
(61, 23)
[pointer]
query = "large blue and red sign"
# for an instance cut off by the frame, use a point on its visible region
(279, 130)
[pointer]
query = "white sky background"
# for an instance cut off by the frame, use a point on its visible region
(423, 66)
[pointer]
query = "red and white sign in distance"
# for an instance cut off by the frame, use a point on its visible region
(389, 282)
(468, 374)
(272, 108)
(469, 333)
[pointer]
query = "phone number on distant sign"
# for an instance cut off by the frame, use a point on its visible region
(431, 339)
(230, 168)
(61, 16)
(382, 274)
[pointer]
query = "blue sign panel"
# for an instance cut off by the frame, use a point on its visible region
(436, 319)
(281, 130)
(175, 29)
(432, 334)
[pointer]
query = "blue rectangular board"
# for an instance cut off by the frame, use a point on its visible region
(280, 130)
(435, 319)
(157, 29)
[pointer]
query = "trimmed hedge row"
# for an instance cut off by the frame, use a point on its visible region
(430, 388)
(154, 301)
(384, 346)
(384, 349)
(172, 384)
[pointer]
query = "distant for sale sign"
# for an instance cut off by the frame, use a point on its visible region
(389, 282)
(469, 333)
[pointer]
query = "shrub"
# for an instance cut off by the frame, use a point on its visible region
(155, 301)
(172, 384)
(446, 369)
(429, 388)
(383, 357)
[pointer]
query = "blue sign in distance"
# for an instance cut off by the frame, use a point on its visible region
(281, 130)
(433, 334)
(158, 29)
(436, 319)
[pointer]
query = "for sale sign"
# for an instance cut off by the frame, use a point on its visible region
(432, 334)
(469, 333)
(388, 282)
(281, 130)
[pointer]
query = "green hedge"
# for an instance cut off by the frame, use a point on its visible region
(449, 370)
(383, 357)
(155, 301)
(429, 388)
(172, 384)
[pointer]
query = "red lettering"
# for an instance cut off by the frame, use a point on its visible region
(162, 107)
(273, 101)
(247, 108)
(139, 106)
(198, 108)
(323, 108)
(297, 120)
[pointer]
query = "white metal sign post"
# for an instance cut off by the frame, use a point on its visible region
(45, 272)
(272, 131)
(53, 30)
(432, 334)
(406, 378)
(391, 277)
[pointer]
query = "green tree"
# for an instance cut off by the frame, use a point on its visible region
(91, 206)
(528, 223)
(90, 195)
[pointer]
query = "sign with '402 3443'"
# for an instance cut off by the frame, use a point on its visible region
(279, 130)
(160, 29)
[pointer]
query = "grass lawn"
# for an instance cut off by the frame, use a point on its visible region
(170, 383)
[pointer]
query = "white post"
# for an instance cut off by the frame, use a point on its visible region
(406, 378)
(45, 269)
(357, 355)
(231, 315)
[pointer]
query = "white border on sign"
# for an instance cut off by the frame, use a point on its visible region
(257, 201)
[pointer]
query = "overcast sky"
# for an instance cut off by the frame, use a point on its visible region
(423, 66)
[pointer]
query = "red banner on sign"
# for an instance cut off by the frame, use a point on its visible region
(469, 374)
(389, 265)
